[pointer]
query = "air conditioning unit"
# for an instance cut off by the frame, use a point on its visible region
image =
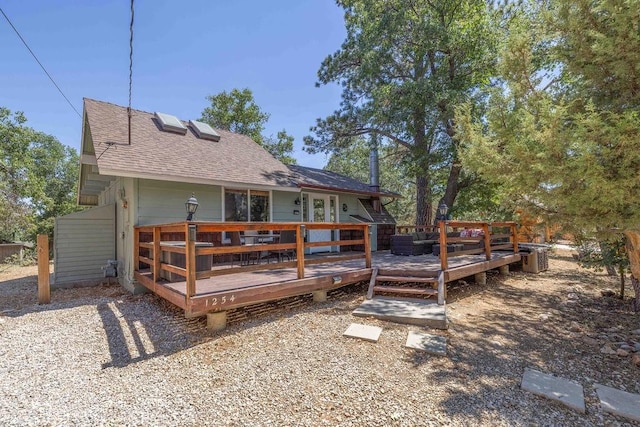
(535, 261)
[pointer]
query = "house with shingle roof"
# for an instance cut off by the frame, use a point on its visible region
(139, 168)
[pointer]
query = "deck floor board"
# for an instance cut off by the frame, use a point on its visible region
(384, 260)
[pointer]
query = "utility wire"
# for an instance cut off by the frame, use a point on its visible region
(130, 70)
(130, 82)
(39, 63)
(131, 54)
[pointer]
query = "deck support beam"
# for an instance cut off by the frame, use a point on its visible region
(217, 321)
(319, 296)
(504, 270)
(480, 278)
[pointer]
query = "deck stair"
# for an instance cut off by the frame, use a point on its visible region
(420, 286)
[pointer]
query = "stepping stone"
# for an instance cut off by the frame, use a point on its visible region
(364, 332)
(433, 344)
(619, 402)
(410, 311)
(567, 392)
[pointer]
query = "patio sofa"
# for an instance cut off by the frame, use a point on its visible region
(417, 243)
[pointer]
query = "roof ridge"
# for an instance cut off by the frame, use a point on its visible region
(116, 105)
(152, 114)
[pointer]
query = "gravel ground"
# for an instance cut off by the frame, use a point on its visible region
(99, 356)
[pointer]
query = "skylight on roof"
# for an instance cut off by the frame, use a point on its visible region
(170, 123)
(204, 131)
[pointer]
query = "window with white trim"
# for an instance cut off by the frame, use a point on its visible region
(246, 205)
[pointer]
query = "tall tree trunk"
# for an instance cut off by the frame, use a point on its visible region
(633, 252)
(423, 181)
(453, 184)
(423, 200)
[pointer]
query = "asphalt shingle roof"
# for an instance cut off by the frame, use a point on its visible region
(234, 159)
(320, 178)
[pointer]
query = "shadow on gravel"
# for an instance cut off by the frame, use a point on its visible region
(143, 327)
(531, 327)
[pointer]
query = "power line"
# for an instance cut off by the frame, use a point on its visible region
(131, 54)
(39, 63)
(130, 70)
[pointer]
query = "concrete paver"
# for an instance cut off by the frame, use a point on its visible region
(433, 344)
(410, 311)
(619, 402)
(565, 391)
(364, 332)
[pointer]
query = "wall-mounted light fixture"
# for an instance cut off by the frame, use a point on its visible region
(345, 207)
(296, 212)
(297, 201)
(123, 200)
(192, 206)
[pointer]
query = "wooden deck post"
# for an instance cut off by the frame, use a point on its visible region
(157, 253)
(367, 245)
(444, 262)
(514, 237)
(300, 249)
(44, 290)
(190, 237)
(486, 229)
(136, 249)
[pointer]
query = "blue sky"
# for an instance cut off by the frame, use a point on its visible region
(183, 51)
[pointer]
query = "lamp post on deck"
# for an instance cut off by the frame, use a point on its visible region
(442, 212)
(192, 206)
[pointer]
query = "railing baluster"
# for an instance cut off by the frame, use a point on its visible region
(444, 262)
(300, 249)
(190, 238)
(367, 246)
(486, 229)
(157, 253)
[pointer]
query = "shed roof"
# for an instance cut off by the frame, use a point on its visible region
(307, 177)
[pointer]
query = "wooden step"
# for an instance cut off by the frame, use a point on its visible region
(398, 290)
(407, 279)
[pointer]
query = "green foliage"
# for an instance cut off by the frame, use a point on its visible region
(554, 140)
(280, 147)
(237, 111)
(38, 178)
(403, 67)
(598, 255)
(353, 161)
(29, 257)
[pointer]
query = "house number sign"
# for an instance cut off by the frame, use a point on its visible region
(222, 300)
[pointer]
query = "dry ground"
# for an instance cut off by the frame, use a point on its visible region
(99, 356)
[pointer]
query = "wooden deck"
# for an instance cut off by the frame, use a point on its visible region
(222, 289)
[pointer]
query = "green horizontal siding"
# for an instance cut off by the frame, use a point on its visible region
(83, 242)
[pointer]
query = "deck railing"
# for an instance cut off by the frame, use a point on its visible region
(192, 240)
(489, 237)
(408, 229)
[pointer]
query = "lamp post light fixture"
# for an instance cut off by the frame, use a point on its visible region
(192, 206)
(442, 211)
